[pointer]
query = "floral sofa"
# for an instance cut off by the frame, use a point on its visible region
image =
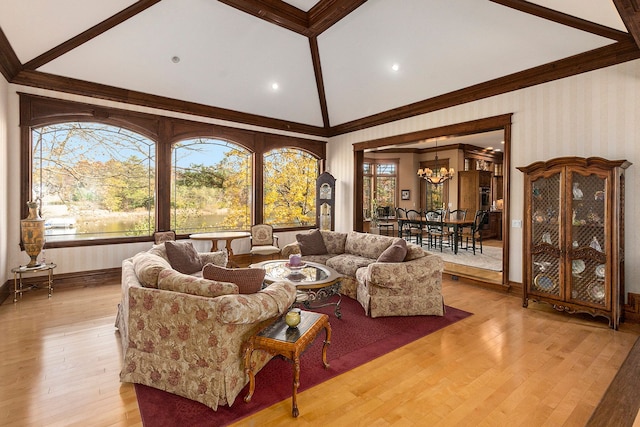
(186, 335)
(412, 286)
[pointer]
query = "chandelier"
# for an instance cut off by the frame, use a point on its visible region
(437, 175)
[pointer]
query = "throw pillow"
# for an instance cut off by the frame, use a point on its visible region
(248, 280)
(311, 243)
(394, 253)
(183, 257)
(171, 280)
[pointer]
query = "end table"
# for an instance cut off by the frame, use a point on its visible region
(279, 338)
(18, 272)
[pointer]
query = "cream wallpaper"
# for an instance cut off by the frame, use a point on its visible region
(593, 114)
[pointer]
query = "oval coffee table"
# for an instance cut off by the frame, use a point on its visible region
(316, 283)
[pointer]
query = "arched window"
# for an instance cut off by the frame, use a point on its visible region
(289, 188)
(210, 186)
(93, 181)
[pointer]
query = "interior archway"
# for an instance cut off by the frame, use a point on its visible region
(450, 132)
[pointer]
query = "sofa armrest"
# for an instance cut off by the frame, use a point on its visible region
(394, 274)
(218, 258)
(290, 249)
(274, 300)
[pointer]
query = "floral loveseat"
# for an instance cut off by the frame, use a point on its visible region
(412, 286)
(185, 334)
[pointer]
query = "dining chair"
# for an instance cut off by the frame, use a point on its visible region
(475, 232)
(384, 212)
(434, 227)
(401, 218)
(414, 225)
(263, 242)
(457, 215)
(160, 237)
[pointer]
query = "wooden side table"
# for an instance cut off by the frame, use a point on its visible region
(278, 338)
(18, 272)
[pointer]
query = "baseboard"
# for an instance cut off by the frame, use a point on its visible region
(107, 276)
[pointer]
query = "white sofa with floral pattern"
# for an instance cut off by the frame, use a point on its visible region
(186, 335)
(410, 287)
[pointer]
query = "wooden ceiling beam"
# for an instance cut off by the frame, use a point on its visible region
(564, 19)
(89, 34)
(10, 65)
(274, 11)
(100, 91)
(327, 12)
(629, 11)
(317, 68)
(311, 24)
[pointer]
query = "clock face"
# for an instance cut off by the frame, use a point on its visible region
(325, 191)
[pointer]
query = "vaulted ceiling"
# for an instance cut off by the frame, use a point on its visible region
(317, 67)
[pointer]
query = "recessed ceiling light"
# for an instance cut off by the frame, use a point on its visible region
(275, 86)
(502, 142)
(395, 67)
(175, 59)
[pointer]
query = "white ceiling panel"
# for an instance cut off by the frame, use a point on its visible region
(439, 45)
(228, 59)
(601, 12)
(304, 5)
(36, 26)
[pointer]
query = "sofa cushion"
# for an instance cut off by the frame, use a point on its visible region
(172, 280)
(311, 243)
(366, 245)
(334, 241)
(394, 253)
(347, 264)
(248, 280)
(147, 267)
(183, 257)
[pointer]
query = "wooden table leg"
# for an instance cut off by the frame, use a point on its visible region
(296, 384)
(248, 369)
(327, 341)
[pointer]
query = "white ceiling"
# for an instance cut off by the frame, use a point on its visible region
(230, 59)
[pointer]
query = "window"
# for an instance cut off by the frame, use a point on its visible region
(437, 196)
(210, 186)
(105, 175)
(289, 188)
(93, 181)
(380, 185)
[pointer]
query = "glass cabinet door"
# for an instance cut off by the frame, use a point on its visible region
(587, 240)
(546, 239)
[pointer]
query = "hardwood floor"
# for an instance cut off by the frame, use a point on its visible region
(505, 365)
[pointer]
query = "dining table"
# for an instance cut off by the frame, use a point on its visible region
(456, 224)
(216, 236)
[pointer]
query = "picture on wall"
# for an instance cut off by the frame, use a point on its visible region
(405, 194)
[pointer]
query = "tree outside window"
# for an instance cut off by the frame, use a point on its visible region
(93, 181)
(289, 188)
(210, 186)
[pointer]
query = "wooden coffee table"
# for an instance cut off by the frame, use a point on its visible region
(279, 338)
(316, 283)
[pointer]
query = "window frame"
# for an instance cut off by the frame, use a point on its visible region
(374, 162)
(36, 111)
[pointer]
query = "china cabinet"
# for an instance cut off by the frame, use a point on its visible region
(573, 254)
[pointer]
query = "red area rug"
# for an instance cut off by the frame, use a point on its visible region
(356, 339)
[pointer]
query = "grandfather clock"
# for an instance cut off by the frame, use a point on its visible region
(325, 201)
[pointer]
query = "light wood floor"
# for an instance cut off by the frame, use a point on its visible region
(505, 365)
